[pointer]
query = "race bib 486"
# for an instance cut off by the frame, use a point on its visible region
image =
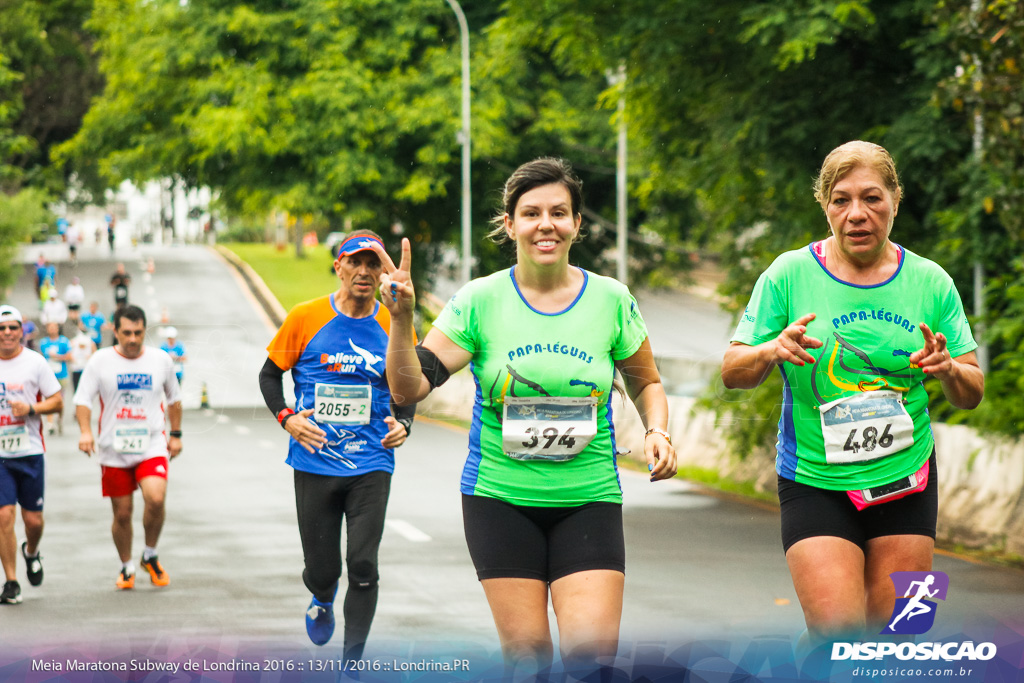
(865, 426)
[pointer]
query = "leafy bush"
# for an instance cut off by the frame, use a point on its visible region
(243, 233)
(20, 216)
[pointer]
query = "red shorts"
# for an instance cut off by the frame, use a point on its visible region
(122, 481)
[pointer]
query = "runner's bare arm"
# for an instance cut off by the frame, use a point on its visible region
(83, 414)
(174, 421)
(745, 366)
(643, 384)
(50, 404)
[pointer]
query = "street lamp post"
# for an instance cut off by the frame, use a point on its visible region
(618, 78)
(464, 140)
(978, 147)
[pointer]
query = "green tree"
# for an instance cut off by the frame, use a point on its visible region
(20, 214)
(733, 105)
(12, 144)
(47, 78)
(339, 108)
(530, 103)
(986, 222)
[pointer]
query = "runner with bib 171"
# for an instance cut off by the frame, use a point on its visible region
(541, 499)
(855, 323)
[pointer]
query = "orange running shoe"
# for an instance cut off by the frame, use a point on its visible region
(125, 580)
(156, 571)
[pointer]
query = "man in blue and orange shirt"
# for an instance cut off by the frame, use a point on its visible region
(344, 430)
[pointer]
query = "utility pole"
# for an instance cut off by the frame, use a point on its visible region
(618, 78)
(464, 139)
(978, 148)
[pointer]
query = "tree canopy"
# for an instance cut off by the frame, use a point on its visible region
(47, 78)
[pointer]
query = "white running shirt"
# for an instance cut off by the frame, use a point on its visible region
(27, 377)
(132, 393)
(74, 294)
(81, 351)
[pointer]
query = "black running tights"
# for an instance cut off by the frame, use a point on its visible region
(321, 502)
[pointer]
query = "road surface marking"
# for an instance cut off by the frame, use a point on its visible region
(407, 531)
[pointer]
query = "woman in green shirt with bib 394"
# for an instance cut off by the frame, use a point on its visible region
(542, 504)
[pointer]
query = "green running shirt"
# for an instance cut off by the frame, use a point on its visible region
(519, 351)
(868, 333)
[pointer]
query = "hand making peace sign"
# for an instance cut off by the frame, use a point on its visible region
(396, 290)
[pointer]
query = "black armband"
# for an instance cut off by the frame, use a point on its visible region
(272, 386)
(433, 369)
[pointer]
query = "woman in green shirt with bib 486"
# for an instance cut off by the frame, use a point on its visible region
(542, 503)
(855, 323)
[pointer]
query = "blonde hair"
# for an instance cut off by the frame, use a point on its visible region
(849, 156)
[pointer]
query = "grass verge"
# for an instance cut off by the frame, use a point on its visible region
(712, 479)
(995, 556)
(292, 280)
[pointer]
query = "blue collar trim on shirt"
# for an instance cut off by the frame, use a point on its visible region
(586, 279)
(903, 259)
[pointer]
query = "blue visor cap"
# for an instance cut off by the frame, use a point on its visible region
(358, 243)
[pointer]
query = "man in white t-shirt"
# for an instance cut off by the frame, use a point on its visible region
(54, 310)
(82, 348)
(74, 297)
(28, 389)
(138, 395)
(73, 236)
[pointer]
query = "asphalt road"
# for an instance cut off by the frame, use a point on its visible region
(700, 568)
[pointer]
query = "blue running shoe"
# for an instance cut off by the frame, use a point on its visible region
(320, 621)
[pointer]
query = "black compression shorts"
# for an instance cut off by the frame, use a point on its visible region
(544, 543)
(808, 511)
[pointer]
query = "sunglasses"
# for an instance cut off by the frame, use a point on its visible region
(5, 328)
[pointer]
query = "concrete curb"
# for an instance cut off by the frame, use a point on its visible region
(271, 306)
